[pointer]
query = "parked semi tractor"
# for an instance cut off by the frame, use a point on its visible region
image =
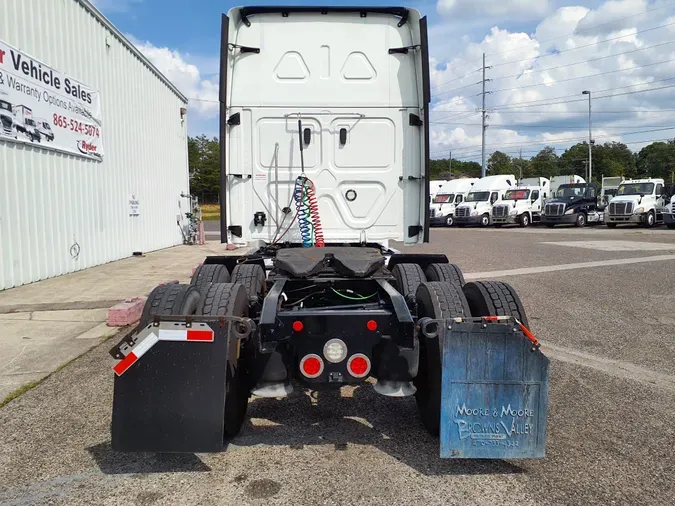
(24, 122)
(450, 195)
(637, 201)
(321, 301)
(477, 206)
(434, 187)
(669, 213)
(608, 189)
(575, 204)
(521, 205)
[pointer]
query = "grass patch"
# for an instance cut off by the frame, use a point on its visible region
(20, 391)
(211, 212)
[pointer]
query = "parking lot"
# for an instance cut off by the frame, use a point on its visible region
(600, 300)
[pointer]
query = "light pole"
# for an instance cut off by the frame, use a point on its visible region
(590, 137)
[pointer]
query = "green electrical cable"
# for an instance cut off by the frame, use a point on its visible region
(354, 298)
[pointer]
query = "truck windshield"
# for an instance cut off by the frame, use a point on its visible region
(570, 190)
(517, 195)
(46, 126)
(477, 196)
(446, 197)
(636, 189)
(30, 122)
(5, 105)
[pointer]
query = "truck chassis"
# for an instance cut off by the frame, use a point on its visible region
(286, 316)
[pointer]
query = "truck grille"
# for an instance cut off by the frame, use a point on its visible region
(555, 209)
(500, 211)
(620, 208)
(462, 212)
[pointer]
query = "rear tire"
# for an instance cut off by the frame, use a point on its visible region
(445, 272)
(494, 298)
(408, 278)
(228, 299)
(210, 273)
(437, 300)
(173, 299)
(252, 276)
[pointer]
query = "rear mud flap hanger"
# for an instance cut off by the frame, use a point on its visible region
(401, 12)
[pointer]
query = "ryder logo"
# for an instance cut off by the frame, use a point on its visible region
(2, 56)
(86, 148)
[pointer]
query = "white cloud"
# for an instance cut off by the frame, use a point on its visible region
(202, 91)
(565, 53)
(504, 9)
(115, 5)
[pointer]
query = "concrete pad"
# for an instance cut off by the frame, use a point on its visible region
(34, 349)
(82, 315)
(617, 245)
(101, 331)
(15, 316)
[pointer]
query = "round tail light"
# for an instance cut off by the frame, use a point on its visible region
(311, 366)
(358, 365)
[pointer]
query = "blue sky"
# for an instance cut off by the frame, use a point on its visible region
(542, 52)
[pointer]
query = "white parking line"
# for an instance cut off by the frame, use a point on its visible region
(615, 368)
(566, 267)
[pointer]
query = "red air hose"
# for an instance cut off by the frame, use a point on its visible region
(314, 213)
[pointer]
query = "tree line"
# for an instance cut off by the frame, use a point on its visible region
(609, 159)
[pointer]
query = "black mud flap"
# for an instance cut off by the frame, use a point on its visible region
(171, 398)
(494, 392)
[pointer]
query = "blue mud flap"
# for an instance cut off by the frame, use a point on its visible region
(172, 398)
(494, 393)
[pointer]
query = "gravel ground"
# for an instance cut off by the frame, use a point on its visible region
(609, 438)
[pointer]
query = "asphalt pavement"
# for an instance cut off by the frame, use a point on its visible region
(599, 300)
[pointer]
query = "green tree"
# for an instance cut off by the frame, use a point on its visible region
(204, 165)
(574, 160)
(657, 160)
(499, 163)
(545, 163)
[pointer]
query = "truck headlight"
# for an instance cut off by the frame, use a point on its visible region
(639, 210)
(474, 213)
(570, 211)
(513, 212)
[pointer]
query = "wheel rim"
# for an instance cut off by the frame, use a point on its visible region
(650, 219)
(449, 221)
(581, 219)
(526, 220)
(486, 221)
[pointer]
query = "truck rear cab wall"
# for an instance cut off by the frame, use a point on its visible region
(308, 67)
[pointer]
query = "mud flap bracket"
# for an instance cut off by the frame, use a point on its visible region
(494, 392)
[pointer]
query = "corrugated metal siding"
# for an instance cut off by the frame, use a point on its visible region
(50, 201)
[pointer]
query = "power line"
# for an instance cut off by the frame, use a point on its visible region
(583, 77)
(457, 89)
(585, 61)
(632, 34)
(453, 80)
(576, 32)
(557, 127)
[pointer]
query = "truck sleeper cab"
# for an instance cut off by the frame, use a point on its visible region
(638, 201)
(522, 205)
(485, 193)
(573, 204)
(450, 195)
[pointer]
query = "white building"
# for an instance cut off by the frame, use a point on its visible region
(93, 144)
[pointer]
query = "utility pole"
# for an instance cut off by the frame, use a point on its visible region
(450, 163)
(590, 137)
(520, 165)
(484, 111)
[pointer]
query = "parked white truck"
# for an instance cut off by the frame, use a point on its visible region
(609, 188)
(486, 192)
(24, 122)
(7, 127)
(669, 214)
(434, 188)
(451, 194)
(521, 205)
(638, 201)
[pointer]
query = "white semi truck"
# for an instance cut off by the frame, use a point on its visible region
(522, 205)
(669, 213)
(556, 181)
(324, 158)
(637, 201)
(25, 123)
(486, 192)
(608, 189)
(450, 195)
(434, 187)
(7, 126)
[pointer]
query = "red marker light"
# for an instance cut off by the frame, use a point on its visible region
(298, 326)
(371, 325)
(311, 366)
(359, 365)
